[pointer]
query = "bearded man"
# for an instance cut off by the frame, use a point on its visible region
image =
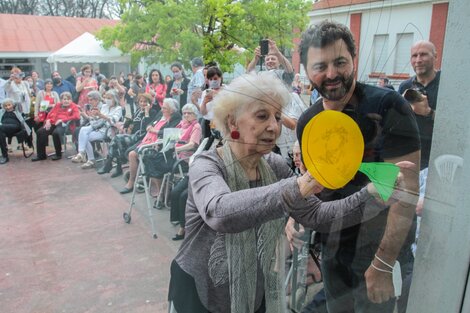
(358, 261)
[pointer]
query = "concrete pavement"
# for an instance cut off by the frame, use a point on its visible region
(64, 246)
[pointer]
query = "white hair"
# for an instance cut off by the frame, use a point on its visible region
(247, 89)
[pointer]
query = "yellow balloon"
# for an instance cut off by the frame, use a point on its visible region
(332, 148)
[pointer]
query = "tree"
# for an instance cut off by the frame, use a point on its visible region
(19, 6)
(78, 8)
(169, 30)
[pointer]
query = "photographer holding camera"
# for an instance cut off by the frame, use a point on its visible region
(18, 90)
(269, 53)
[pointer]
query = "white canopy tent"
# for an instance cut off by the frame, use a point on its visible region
(87, 49)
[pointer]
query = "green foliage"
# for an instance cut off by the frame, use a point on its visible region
(169, 30)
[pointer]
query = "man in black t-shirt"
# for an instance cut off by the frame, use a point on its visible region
(426, 80)
(357, 261)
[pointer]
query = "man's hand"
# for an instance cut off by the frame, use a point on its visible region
(257, 53)
(422, 107)
(379, 284)
(294, 236)
(273, 48)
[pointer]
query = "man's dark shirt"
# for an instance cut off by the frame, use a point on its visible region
(72, 79)
(389, 129)
(64, 86)
(425, 123)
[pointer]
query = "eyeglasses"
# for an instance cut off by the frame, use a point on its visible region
(186, 113)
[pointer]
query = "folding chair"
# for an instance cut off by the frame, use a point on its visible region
(63, 139)
(20, 138)
(170, 135)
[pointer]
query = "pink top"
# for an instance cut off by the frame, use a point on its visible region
(83, 97)
(192, 132)
(152, 137)
(160, 92)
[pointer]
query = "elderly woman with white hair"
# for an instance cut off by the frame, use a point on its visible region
(188, 141)
(11, 124)
(166, 119)
(238, 198)
(100, 119)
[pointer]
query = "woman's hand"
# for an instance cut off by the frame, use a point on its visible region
(308, 185)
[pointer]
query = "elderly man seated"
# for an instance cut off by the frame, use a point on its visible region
(11, 123)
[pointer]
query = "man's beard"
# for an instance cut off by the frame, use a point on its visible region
(338, 93)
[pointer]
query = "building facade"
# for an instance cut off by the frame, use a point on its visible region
(27, 40)
(384, 32)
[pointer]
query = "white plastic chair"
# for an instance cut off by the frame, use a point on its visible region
(446, 166)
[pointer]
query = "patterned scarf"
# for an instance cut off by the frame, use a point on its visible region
(235, 257)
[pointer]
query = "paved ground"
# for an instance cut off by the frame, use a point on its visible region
(64, 246)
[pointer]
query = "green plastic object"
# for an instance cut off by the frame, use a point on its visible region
(383, 175)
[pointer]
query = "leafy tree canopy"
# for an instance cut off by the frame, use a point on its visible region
(169, 30)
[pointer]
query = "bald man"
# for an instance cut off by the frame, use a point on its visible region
(423, 60)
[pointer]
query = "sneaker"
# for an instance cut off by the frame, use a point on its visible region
(79, 158)
(88, 164)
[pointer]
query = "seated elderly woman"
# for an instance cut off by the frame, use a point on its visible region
(55, 125)
(145, 118)
(11, 123)
(154, 132)
(100, 119)
(186, 145)
(239, 195)
(94, 102)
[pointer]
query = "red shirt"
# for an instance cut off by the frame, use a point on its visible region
(64, 114)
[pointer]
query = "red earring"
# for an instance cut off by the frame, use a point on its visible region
(235, 134)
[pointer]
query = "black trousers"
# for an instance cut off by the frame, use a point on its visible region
(183, 293)
(57, 133)
(178, 196)
(7, 130)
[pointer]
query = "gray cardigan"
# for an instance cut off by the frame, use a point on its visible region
(211, 207)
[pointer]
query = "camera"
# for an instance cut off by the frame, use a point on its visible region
(264, 46)
(413, 95)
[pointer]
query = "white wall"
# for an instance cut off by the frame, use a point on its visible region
(415, 18)
(387, 17)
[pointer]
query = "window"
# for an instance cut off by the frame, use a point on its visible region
(402, 54)
(379, 53)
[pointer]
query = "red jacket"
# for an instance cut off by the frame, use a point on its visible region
(64, 114)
